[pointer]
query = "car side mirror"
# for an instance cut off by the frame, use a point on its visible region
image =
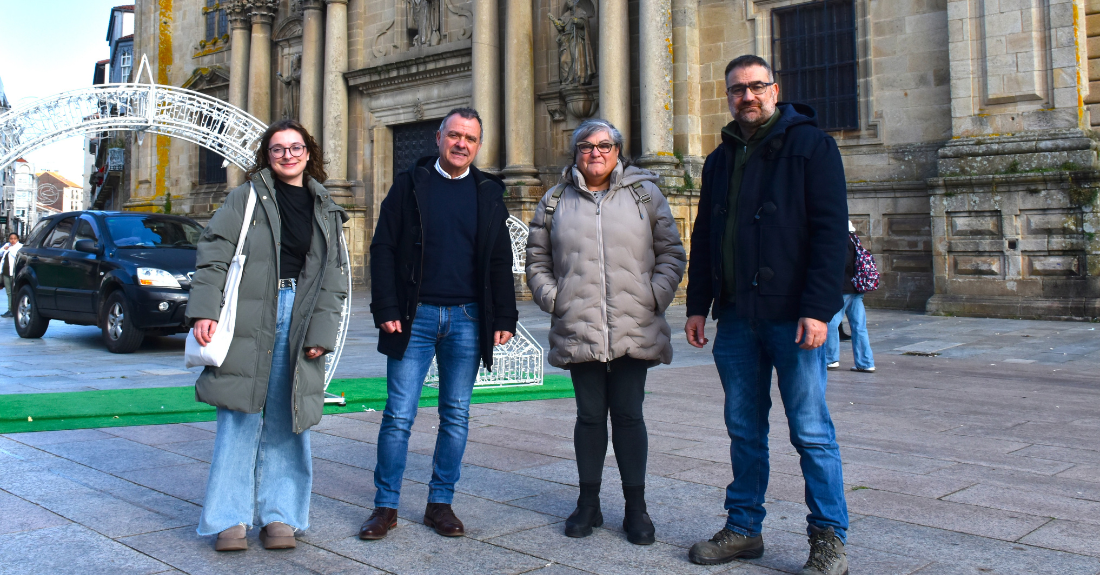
(86, 246)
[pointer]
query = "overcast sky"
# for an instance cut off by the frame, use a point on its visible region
(50, 46)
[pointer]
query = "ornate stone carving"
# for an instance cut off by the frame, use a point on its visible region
(238, 12)
(467, 30)
(423, 19)
(291, 88)
(576, 63)
(263, 11)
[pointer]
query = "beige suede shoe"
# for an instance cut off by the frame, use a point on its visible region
(232, 539)
(276, 535)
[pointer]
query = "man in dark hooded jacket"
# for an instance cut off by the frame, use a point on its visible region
(767, 257)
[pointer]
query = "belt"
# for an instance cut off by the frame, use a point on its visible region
(288, 283)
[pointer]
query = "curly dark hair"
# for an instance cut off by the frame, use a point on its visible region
(315, 167)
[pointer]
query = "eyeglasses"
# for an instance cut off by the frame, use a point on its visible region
(738, 90)
(603, 147)
(295, 150)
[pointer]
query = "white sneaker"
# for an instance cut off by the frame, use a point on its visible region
(834, 365)
(864, 369)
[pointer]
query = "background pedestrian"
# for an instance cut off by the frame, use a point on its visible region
(857, 318)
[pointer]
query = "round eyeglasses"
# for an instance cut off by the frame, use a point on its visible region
(295, 150)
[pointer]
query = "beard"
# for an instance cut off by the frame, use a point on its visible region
(762, 114)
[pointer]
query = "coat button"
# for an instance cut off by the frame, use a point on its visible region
(269, 352)
(265, 197)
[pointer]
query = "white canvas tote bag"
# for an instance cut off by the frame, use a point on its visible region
(213, 354)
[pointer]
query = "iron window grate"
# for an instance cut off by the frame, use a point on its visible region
(814, 56)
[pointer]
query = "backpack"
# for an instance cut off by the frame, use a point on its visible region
(865, 278)
(641, 197)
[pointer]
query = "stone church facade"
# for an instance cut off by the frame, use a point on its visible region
(965, 125)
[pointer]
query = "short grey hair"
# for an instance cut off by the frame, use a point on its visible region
(467, 113)
(593, 125)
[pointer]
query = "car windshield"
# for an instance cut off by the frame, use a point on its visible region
(152, 232)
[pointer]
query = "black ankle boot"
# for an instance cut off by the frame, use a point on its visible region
(636, 522)
(587, 514)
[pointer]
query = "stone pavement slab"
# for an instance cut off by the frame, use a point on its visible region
(960, 463)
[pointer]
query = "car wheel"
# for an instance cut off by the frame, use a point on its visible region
(119, 332)
(28, 322)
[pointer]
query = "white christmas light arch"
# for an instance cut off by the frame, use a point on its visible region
(235, 135)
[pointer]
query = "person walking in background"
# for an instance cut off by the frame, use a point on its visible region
(270, 389)
(767, 252)
(604, 258)
(442, 287)
(857, 316)
(7, 267)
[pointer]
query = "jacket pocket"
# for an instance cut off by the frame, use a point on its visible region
(782, 257)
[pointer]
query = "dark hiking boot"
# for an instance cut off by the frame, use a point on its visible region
(827, 555)
(726, 546)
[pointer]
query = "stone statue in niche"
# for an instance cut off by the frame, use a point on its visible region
(291, 86)
(424, 17)
(575, 60)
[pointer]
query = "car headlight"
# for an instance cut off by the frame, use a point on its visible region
(156, 278)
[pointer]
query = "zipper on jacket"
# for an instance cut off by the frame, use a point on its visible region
(603, 284)
(419, 218)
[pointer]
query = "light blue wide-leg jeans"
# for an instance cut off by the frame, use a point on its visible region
(261, 471)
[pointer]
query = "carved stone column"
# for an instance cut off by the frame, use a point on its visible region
(259, 61)
(687, 100)
(313, 48)
(655, 86)
(614, 66)
(239, 40)
(486, 79)
(519, 102)
(335, 133)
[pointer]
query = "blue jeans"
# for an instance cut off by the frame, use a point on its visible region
(261, 470)
(745, 352)
(857, 318)
(450, 334)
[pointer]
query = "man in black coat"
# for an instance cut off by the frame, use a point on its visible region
(441, 287)
(767, 258)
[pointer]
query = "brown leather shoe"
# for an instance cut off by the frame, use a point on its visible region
(379, 523)
(441, 517)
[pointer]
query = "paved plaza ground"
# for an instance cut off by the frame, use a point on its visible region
(982, 459)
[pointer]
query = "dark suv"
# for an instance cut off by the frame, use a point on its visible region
(127, 272)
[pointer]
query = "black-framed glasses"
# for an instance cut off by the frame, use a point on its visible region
(603, 147)
(295, 150)
(757, 88)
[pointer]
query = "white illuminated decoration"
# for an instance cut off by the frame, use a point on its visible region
(144, 108)
(156, 109)
(518, 362)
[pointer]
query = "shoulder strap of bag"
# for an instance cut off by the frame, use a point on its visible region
(552, 204)
(246, 223)
(642, 197)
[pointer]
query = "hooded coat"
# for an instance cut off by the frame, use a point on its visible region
(605, 271)
(240, 383)
(792, 225)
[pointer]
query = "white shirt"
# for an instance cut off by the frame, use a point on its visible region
(9, 251)
(443, 172)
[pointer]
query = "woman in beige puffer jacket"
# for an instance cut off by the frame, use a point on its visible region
(605, 259)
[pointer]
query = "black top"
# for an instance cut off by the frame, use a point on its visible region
(296, 217)
(448, 209)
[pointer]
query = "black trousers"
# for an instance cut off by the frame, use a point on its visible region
(618, 387)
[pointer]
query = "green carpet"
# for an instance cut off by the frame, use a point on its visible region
(151, 406)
